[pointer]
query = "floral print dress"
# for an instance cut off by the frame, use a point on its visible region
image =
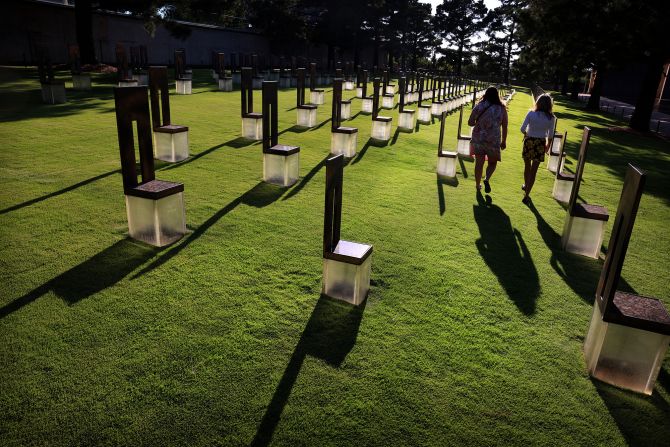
(486, 133)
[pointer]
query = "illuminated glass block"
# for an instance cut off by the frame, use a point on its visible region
(142, 79)
(446, 164)
(366, 105)
(157, 222)
(381, 130)
(171, 147)
(184, 86)
(345, 110)
(81, 82)
(237, 78)
(463, 146)
(424, 114)
(359, 92)
(306, 117)
(390, 89)
(285, 82)
(348, 85)
(562, 190)
(583, 236)
(406, 120)
(343, 143)
(317, 97)
(128, 83)
(226, 84)
(53, 93)
(347, 282)
(388, 101)
(624, 356)
(252, 128)
(257, 82)
(436, 109)
(282, 170)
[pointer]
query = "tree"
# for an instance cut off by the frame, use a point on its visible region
(502, 24)
(458, 21)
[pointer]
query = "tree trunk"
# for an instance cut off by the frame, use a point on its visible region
(510, 40)
(460, 59)
(594, 100)
(83, 15)
(647, 97)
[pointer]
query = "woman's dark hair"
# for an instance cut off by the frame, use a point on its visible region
(492, 96)
(544, 104)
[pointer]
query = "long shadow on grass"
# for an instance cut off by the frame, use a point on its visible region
(261, 195)
(91, 276)
(58, 193)
(441, 181)
(306, 179)
(463, 170)
(643, 420)
(503, 249)
(364, 149)
(330, 335)
(294, 129)
(236, 143)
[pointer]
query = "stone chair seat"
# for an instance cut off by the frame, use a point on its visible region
(422, 106)
(641, 312)
(383, 119)
(283, 150)
(346, 101)
(389, 95)
(347, 130)
(171, 128)
(587, 211)
(350, 252)
(254, 115)
(447, 154)
(318, 90)
(183, 78)
(568, 177)
(155, 189)
(407, 111)
(307, 106)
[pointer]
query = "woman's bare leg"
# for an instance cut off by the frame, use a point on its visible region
(490, 169)
(531, 176)
(479, 168)
(526, 174)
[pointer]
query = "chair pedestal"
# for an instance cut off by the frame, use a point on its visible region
(226, 84)
(345, 110)
(446, 164)
(348, 85)
(436, 108)
(390, 89)
(359, 92)
(406, 120)
(128, 83)
(552, 163)
(347, 281)
(157, 222)
(257, 82)
(171, 144)
(53, 93)
(252, 127)
(381, 130)
(562, 189)
(463, 146)
(344, 142)
(388, 101)
(184, 86)
(366, 106)
(624, 356)
(281, 169)
(582, 235)
(424, 115)
(306, 117)
(142, 79)
(285, 82)
(237, 78)
(316, 97)
(81, 82)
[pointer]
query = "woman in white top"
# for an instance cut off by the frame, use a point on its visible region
(537, 129)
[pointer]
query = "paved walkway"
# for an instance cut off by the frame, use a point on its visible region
(660, 122)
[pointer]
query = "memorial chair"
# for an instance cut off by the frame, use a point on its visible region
(629, 334)
(306, 112)
(584, 223)
(424, 116)
(252, 122)
(564, 180)
(388, 92)
(346, 265)
(317, 96)
(80, 81)
(136, 68)
(389, 88)
(381, 125)
(256, 78)
(463, 146)
(437, 105)
(53, 92)
(170, 140)
(359, 83)
(367, 101)
(281, 163)
(155, 208)
(182, 78)
(125, 77)
(225, 81)
(343, 140)
(446, 160)
(406, 117)
(554, 161)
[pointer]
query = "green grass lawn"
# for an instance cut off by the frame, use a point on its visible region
(472, 332)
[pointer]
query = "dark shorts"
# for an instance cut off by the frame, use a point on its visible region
(533, 149)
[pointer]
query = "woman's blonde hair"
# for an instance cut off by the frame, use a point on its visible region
(544, 104)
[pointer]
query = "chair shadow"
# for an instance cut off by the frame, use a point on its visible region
(320, 125)
(97, 273)
(463, 170)
(295, 129)
(261, 195)
(354, 116)
(236, 143)
(364, 149)
(642, 420)
(503, 249)
(306, 179)
(58, 193)
(330, 335)
(441, 181)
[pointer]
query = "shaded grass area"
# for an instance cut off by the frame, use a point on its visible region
(471, 335)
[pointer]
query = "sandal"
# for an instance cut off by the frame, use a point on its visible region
(487, 187)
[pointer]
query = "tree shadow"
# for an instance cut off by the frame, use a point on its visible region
(441, 181)
(261, 195)
(503, 249)
(330, 335)
(58, 193)
(306, 179)
(91, 276)
(237, 143)
(643, 421)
